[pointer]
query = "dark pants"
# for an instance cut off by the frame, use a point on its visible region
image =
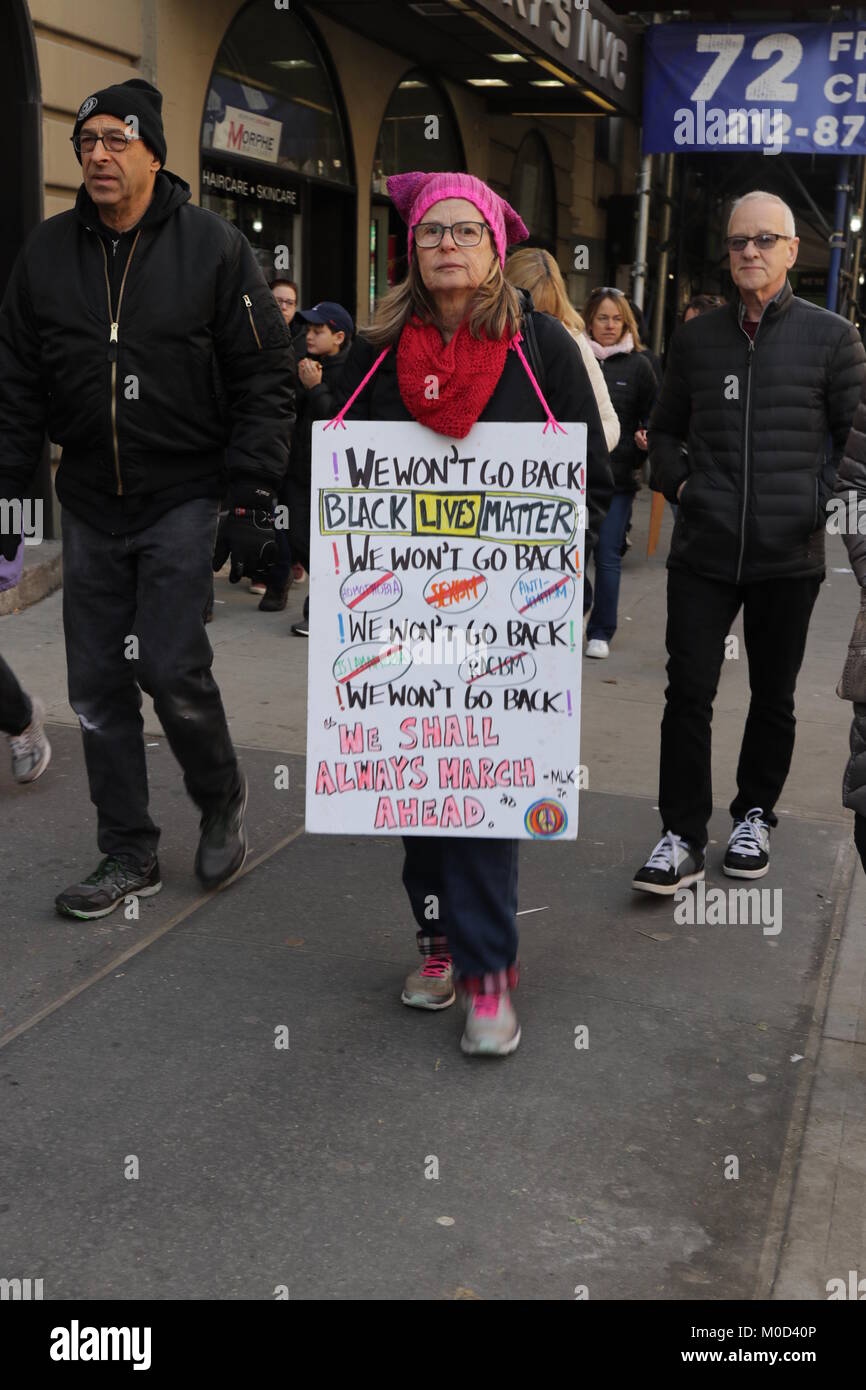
(16, 710)
(608, 569)
(277, 576)
(464, 899)
(152, 586)
(860, 837)
(776, 615)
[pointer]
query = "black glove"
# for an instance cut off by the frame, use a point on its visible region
(247, 532)
(9, 540)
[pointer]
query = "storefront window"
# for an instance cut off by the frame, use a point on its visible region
(533, 190)
(271, 99)
(273, 148)
(418, 131)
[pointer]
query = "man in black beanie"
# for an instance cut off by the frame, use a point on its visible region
(138, 331)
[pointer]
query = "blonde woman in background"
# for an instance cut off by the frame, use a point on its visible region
(614, 340)
(535, 270)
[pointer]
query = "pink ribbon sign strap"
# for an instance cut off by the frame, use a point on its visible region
(515, 343)
(338, 419)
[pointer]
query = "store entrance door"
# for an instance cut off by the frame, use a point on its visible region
(330, 252)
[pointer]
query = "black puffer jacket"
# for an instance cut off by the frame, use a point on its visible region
(200, 373)
(765, 424)
(632, 387)
(566, 387)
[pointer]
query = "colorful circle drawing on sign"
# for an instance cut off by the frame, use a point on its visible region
(549, 593)
(368, 591)
(377, 663)
(497, 666)
(455, 590)
(545, 819)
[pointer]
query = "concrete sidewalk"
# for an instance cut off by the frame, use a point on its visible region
(40, 576)
(311, 1166)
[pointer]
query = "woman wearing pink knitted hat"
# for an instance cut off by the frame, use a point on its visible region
(454, 317)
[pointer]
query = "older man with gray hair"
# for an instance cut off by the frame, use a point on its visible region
(739, 437)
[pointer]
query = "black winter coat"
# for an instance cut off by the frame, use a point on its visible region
(755, 417)
(632, 386)
(154, 396)
(318, 403)
(566, 388)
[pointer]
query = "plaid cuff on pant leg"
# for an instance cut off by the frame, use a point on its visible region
(492, 982)
(432, 945)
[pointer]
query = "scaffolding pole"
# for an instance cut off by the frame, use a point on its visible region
(638, 270)
(858, 247)
(664, 236)
(840, 232)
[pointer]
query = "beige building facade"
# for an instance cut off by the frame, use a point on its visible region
(288, 117)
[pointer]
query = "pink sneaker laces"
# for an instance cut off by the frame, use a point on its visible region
(486, 1005)
(436, 967)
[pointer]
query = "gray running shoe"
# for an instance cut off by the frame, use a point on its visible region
(107, 887)
(491, 1028)
(31, 751)
(431, 986)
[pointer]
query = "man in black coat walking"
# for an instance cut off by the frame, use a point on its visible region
(738, 437)
(138, 331)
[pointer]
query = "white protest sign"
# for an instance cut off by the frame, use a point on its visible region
(446, 627)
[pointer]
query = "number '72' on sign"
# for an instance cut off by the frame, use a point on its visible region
(769, 85)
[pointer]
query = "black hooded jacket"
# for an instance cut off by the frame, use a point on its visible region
(316, 403)
(764, 423)
(161, 365)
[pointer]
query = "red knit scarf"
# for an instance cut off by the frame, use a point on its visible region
(446, 386)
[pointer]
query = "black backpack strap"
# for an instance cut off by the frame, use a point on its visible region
(533, 355)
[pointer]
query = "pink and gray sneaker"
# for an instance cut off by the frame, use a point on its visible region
(431, 986)
(31, 751)
(491, 1028)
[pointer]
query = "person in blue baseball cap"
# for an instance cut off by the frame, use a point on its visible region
(329, 315)
(330, 330)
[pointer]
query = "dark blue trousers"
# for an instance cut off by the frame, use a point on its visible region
(464, 893)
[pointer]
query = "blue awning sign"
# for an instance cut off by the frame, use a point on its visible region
(801, 90)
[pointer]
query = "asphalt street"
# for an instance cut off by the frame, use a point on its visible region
(225, 1097)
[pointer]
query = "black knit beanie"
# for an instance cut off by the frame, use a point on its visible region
(134, 98)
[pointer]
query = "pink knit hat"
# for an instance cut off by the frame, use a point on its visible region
(414, 193)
